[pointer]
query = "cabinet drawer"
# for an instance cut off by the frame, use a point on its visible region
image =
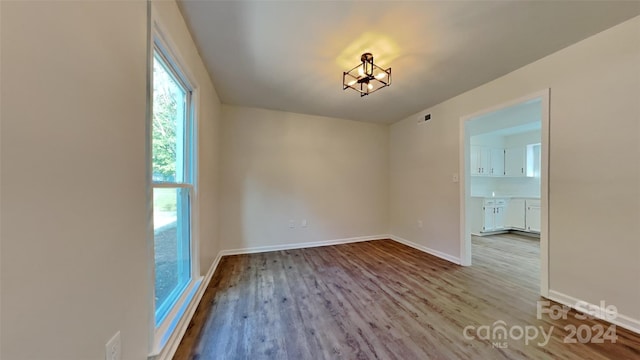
(495, 202)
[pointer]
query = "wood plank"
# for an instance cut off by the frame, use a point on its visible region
(382, 300)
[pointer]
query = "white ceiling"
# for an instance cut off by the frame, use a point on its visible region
(290, 55)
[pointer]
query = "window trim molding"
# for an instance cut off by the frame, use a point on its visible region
(161, 335)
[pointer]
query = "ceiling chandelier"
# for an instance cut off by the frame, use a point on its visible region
(367, 77)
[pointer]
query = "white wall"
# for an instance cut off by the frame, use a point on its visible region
(75, 264)
(520, 116)
(280, 166)
(74, 234)
(594, 167)
(523, 139)
(492, 140)
(483, 186)
(517, 186)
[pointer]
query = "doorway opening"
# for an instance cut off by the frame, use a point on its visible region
(504, 184)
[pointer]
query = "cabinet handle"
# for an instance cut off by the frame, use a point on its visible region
(479, 170)
(522, 170)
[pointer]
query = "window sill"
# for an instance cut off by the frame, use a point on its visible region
(165, 332)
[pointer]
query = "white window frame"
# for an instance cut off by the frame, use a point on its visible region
(161, 333)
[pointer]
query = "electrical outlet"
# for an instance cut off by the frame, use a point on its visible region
(304, 223)
(455, 178)
(292, 224)
(420, 224)
(113, 348)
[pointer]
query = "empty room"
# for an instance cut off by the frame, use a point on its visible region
(190, 179)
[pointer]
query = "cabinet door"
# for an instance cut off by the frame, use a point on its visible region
(474, 160)
(498, 218)
(514, 161)
(533, 218)
(488, 224)
(485, 161)
(515, 214)
(480, 160)
(497, 162)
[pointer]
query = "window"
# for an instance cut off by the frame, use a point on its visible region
(533, 160)
(173, 188)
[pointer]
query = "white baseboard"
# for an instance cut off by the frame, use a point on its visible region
(259, 249)
(440, 254)
(174, 340)
(621, 320)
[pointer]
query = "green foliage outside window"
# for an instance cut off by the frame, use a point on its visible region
(165, 97)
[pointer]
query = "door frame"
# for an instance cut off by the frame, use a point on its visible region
(465, 183)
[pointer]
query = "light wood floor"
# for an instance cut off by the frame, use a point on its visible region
(380, 300)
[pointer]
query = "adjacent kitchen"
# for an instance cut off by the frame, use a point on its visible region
(505, 166)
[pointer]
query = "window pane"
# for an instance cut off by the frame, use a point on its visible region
(169, 119)
(172, 252)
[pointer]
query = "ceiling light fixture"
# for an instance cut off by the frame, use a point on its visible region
(367, 77)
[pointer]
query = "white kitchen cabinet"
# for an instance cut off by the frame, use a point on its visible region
(488, 219)
(480, 159)
(532, 215)
(499, 217)
(485, 161)
(515, 161)
(515, 214)
(494, 215)
(497, 162)
(503, 214)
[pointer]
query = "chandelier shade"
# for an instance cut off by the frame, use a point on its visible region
(367, 77)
